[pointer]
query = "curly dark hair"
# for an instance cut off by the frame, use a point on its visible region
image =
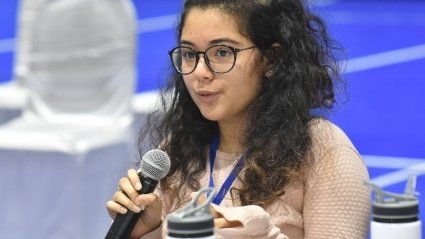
(277, 138)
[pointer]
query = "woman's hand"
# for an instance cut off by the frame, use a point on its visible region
(219, 220)
(128, 198)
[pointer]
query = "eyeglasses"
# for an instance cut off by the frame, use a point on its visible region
(219, 58)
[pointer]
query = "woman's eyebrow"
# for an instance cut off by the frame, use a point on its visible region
(184, 42)
(223, 40)
(212, 42)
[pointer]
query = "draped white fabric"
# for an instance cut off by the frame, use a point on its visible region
(12, 99)
(70, 51)
(61, 159)
(82, 61)
(55, 184)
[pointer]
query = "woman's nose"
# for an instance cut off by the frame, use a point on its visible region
(202, 70)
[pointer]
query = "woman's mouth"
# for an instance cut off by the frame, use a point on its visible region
(206, 97)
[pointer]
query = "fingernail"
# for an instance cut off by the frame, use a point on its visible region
(138, 186)
(136, 209)
(142, 207)
(123, 210)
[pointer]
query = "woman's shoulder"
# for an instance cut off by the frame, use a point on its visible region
(332, 152)
(327, 134)
(330, 142)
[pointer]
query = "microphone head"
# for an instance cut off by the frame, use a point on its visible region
(155, 164)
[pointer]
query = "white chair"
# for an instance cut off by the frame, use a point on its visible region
(60, 161)
(12, 99)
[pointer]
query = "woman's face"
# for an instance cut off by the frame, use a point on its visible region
(221, 97)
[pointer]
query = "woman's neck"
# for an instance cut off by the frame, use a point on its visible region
(230, 137)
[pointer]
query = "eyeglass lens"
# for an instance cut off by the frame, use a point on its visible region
(219, 59)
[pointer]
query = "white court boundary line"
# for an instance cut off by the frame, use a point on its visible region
(154, 24)
(386, 58)
(390, 162)
(7, 45)
(407, 167)
(399, 176)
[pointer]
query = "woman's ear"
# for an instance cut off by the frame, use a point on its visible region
(272, 54)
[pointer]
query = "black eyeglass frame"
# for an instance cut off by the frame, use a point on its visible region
(234, 50)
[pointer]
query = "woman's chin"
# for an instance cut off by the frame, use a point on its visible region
(210, 116)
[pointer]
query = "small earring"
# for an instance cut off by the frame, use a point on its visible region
(268, 74)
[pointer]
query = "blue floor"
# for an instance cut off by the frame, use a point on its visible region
(384, 113)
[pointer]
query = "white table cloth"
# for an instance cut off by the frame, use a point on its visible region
(55, 180)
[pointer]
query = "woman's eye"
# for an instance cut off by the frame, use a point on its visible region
(223, 52)
(189, 54)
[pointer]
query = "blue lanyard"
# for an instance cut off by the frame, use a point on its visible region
(230, 179)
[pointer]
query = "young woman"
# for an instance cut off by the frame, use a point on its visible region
(250, 79)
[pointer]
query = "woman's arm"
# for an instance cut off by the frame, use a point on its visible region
(336, 200)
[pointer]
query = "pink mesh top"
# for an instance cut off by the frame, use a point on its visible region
(330, 201)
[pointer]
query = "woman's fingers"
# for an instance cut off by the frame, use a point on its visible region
(223, 223)
(202, 198)
(127, 188)
(122, 199)
(214, 213)
(127, 197)
(147, 200)
(114, 208)
(134, 179)
(219, 222)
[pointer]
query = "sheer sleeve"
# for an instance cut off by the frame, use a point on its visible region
(336, 200)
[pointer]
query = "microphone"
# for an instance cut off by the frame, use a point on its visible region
(154, 165)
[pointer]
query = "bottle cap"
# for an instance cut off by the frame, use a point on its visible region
(392, 207)
(194, 219)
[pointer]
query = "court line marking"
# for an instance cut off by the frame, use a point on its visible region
(386, 58)
(387, 162)
(407, 167)
(7, 45)
(154, 24)
(382, 18)
(399, 175)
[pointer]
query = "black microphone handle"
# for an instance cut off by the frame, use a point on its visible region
(124, 224)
